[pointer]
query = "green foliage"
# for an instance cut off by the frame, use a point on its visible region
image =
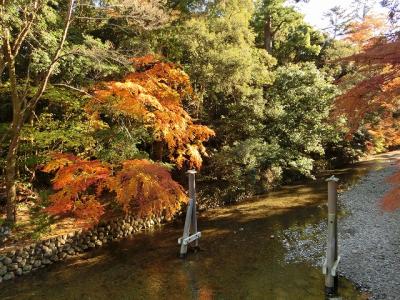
(61, 124)
(118, 143)
(227, 70)
(298, 105)
(284, 29)
(340, 150)
(84, 58)
(267, 129)
(301, 44)
(243, 169)
(295, 131)
(330, 58)
(90, 60)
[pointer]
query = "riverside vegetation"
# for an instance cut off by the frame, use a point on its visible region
(105, 105)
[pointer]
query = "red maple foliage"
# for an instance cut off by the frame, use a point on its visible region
(73, 181)
(391, 200)
(379, 92)
(153, 95)
(146, 189)
(141, 187)
(362, 33)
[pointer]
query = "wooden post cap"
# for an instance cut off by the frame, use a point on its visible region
(191, 172)
(332, 178)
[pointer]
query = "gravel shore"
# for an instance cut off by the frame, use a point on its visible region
(369, 238)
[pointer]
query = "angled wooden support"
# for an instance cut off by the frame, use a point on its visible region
(191, 219)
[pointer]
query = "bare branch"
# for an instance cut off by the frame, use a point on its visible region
(73, 88)
(146, 14)
(32, 103)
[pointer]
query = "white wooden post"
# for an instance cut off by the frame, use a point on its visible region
(332, 258)
(191, 219)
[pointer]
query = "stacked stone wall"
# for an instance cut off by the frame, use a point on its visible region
(41, 254)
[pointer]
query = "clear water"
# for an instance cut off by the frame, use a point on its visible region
(240, 257)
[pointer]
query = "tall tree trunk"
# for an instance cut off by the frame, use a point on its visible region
(2, 68)
(11, 159)
(268, 35)
(21, 107)
(11, 165)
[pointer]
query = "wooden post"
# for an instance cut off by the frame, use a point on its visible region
(192, 195)
(332, 259)
(191, 219)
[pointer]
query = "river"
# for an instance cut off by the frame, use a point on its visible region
(241, 257)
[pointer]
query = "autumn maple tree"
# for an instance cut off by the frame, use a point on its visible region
(362, 33)
(379, 88)
(378, 93)
(140, 187)
(374, 102)
(153, 95)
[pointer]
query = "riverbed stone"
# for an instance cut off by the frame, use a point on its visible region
(9, 276)
(3, 270)
(22, 263)
(47, 252)
(27, 268)
(12, 267)
(7, 261)
(62, 255)
(37, 263)
(54, 258)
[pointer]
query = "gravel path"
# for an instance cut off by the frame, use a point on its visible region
(369, 239)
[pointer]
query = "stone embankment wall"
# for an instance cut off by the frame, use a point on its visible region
(41, 254)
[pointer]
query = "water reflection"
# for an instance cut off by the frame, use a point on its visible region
(241, 257)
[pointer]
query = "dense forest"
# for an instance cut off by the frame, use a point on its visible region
(106, 104)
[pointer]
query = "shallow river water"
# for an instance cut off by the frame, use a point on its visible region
(241, 257)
